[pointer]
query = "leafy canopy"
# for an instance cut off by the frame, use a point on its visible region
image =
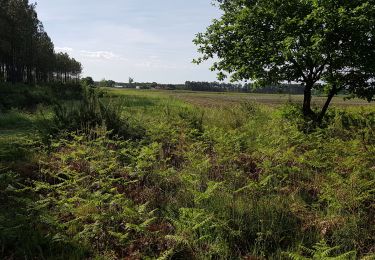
(306, 41)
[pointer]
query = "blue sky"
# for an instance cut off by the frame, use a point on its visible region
(149, 40)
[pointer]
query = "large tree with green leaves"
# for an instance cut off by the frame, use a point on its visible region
(318, 43)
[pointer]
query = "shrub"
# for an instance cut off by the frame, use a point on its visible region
(23, 96)
(88, 113)
(26, 97)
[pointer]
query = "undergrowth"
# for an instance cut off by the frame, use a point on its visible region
(130, 179)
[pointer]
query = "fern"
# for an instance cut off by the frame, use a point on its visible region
(321, 251)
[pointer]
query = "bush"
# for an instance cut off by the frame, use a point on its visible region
(28, 97)
(23, 96)
(86, 114)
(67, 91)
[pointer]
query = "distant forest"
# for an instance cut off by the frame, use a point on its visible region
(210, 87)
(248, 88)
(27, 53)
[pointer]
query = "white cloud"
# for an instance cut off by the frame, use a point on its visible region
(155, 64)
(63, 49)
(102, 55)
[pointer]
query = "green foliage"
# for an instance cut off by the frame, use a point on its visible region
(107, 83)
(87, 198)
(88, 113)
(16, 149)
(26, 97)
(15, 118)
(88, 82)
(22, 97)
(67, 91)
(23, 228)
(306, 41)
(322, 251)
(27, 53)
(246, 181)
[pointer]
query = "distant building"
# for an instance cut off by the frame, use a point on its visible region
(138, 87)
(118, 86)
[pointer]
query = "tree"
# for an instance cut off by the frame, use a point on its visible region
(329, 42)
(26, 51)
(107, 83)
(88, 81)
(131, 80)
(67, 69)
(111, 83)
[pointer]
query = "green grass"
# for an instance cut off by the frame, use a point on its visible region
(214, 99)
(15, 120)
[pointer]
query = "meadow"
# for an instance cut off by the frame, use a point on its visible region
(214, 99)
(151, 174)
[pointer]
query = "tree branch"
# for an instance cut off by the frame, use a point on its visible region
(295, 63)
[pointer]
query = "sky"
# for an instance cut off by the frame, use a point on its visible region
(148, 40)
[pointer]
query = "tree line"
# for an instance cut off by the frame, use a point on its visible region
(209, 87)
(26, 51)
(247, 87)
(212, 86)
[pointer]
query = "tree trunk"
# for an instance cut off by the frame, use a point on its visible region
(13, 67)
(307, 111)
(331, 94)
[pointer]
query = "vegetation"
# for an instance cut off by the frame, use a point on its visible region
(229, 182)
(92, 172)
(296, 41)
(107, 83)
(248, 88)
(211, 87)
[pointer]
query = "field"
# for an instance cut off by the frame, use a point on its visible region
(136, 174)
(214, 99)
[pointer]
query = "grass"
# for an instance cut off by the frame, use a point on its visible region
(210, 176)
(214, 99)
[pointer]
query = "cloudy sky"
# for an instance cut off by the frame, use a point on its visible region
(149, 40)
